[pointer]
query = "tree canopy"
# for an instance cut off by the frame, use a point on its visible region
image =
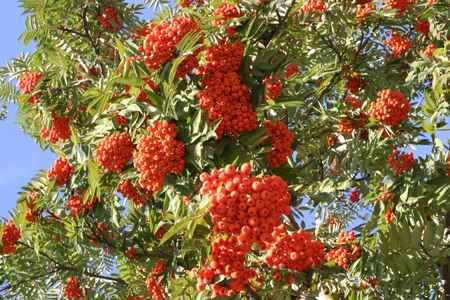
(195, 148)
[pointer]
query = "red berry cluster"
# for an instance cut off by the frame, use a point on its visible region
(430, 2)
(282, 139)
(31, 216)
(227, 258)
(60, 130)
(423, 26)
(161, 232)
(228, 12)
(389, 213)
(290, 70)
(131, 253)
(187, 3)
(106, 16)
(246, 206)
(96, 236)
(399, 45)
(114, 151)
(362, 12)
(222, 58)
(131, 192)
(159, 154)
(348, 124)
(156, 288)
(354, 196)
(401, 5)
(353, 83)
(274, 87)
(343, 255)
(295, 251)
(11, 234)
(72, 289)
(429, 51)
(62, 170)
(76, 204)
(161, 42)
(27, 82)
(227, 99)
(354, 102)
(390, 108)
(401, 162)
(315, 5)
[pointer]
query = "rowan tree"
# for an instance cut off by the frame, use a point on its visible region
(243, 149)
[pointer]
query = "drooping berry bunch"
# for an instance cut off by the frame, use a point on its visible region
(60, 130)
(223, 58)
(343, 255)
(354, 102)
(161, 232)
(315, 5)
(348, 124)
(156, 288)
(27, 82)
(354, 196)
(282, 139)
(31, 216)
(363, 13)
(246, 206)
(401, 5)
(11, 234)
(353, 83)
(227, 258)
(72, 289)
(228, 12)
(114, 151)
(227, 99)
(131, 192)
(290, 70)
(188, 3)
(274, 87)
(161, 42)
(107, 18)
(429, 51)
(402, 162)
(399, 45)
(295, 251)
(389, 213)
(159, 154)
(390, 108)
(62, 170)
(76, 204)
(423, 26)
(131, 253)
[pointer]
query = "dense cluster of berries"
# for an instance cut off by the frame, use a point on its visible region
(399, 45)
(401, 5)
(131, 192)
(363, 13)
(106, 16)
(187, 3)
(223, 58)
(354, 196)
(76, 204)
(401, 162)
(156, 288)
(27, 82)
(353, 83)
(348, 124)
(390, 108)
(72, 289)
(274, 87)
(161, 232)
(131, 253)
(62, 170)
(354, 102)
(121, 120)
(246, 206)
(423, 26)
(114, 151)
(161, 42)
(228, 12)
(295, 251)
(227, 258)
(343, 255)
(429, 51)
(159, 154)
(290, 70)
(11, 234)
(282, 139)
(31, 216)
(315, 5)
(60, 130)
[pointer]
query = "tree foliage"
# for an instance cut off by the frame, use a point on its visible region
(194, 149)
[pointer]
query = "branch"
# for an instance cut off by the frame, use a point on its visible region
(26, 280)
(327, 42)
(281, 22)
(252, 293)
